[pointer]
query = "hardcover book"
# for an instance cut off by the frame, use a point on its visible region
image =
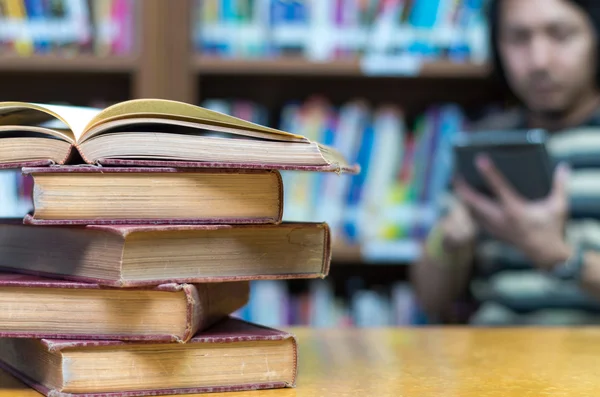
(147, 131)
(144, 255)
(33, 307)
(136, 195)
(232, 355)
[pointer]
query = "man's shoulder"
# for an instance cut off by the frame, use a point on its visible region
(500, 120)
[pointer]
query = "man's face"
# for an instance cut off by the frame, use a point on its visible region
(548, 51)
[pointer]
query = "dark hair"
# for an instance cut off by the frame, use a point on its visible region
(590, 7)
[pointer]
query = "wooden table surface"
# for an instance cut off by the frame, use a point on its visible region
(434, 362)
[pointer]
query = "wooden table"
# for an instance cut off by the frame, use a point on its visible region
(434, 362)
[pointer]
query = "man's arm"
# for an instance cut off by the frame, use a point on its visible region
(590, 275)
(442, 275)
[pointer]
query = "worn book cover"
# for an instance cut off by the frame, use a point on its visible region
(233, 355)
(141, 195)
(148, 255)
(34, 307)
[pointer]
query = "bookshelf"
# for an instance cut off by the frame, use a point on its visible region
(155, 53)
(82, 63)
(298, 66)
(379, 253)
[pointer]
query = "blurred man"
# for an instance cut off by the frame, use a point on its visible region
(509, 260)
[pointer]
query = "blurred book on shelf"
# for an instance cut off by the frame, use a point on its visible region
(390, 207)
(318, 305)
(16, 194)
(385, 34)
(66, 27)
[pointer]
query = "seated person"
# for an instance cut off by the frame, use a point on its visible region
(509, 260)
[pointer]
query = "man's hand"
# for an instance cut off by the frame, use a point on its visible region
(534, 227)
(458, 228)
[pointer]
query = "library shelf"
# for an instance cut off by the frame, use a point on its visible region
(399, 252)
(298, 66)
(80, 63)
(345, 253)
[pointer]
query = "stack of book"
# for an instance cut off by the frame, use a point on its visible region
(151, 217)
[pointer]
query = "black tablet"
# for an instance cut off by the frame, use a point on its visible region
(521, 156)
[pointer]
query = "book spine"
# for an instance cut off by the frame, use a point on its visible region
(117, 17)
(77, 14)
(35, 11)
(209, 303)
(451, 124)
(16, 12)
(356, 191)
(384, 164)
(431, 151)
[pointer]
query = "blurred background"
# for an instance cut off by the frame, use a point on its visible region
(387, 82)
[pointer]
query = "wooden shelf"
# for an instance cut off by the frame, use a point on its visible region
(76, 64)
(400, 252)
(346, 253)
(291, 66)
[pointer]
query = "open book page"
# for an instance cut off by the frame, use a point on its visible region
(148, 124)
(75, 118)
(162, 108)
(61, 133)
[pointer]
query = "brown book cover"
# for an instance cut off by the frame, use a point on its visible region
(34, 307)
(233, 355)
(83, 195)
(148, 255)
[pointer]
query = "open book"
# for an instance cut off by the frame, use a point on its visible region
(152, 132)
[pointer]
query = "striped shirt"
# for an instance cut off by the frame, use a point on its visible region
(506, 286)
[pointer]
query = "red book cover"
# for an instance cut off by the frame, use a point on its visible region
(230, 331)
(205, 304)
(354, 169)
(21, 164)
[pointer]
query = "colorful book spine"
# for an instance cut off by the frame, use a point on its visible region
(101, 27)
(16, 12)
(425, 30)
(355, 192)
(36, 13)
(388, 153)
(122, 11)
